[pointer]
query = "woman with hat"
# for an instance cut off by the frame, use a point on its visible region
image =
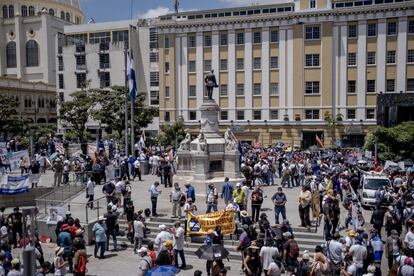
(60, 264)
(252, 263)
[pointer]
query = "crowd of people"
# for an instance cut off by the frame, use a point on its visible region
(328, 185)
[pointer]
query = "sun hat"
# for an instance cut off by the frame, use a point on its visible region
(351, 233)
(15, 261)
(168, 243)
(244, 213)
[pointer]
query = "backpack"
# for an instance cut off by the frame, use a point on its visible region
(293, 249)
(81, 267)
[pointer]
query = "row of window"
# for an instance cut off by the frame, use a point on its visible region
(41, 102)
(81, 80)
(32, 54)
(359, 3)
(102, 38)
(8, 12)
(310, 114)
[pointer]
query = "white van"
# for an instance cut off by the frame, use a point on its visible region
(369, 185)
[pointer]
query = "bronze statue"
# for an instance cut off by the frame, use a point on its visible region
(211, 83)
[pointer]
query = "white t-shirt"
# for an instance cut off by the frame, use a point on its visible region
(90, 187)
(409, 240)
(118, 186)
(274, 270)
(267, 253)
(352, 269)
(211, 195)
(179, 239)
(358, 253)
(155, 159)
(139, 229)
(137, 164)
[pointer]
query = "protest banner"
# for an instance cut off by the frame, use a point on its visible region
(14, 184)
(200, 224)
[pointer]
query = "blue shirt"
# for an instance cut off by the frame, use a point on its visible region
(191, 193)
(227, 191)
(154, 191)
(64, 240)
(99, 231)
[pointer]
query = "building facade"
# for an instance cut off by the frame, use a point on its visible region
(288, 72)
(28, 53)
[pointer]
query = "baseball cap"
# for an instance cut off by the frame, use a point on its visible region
(143, 250)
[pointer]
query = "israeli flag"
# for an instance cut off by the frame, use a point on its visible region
(131, 78)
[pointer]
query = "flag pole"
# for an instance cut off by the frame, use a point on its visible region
(126, 98)
(132, 129)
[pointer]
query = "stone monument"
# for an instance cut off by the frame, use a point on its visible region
(209, 157)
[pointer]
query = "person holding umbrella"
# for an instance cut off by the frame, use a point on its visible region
(211, 252)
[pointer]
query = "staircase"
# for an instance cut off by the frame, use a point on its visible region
(307, 240)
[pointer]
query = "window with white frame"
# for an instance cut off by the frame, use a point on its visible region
(257, 89)
(167, 67)
(312, 60)
(312, 114)
(257, 63)
(312, 32)
(274, 88)
(274, 36)
(224, 115)
(80, 80)
(371, 58)
(274, 62)
(223, 90)
(372, 29)
(167, 116)
(166, 42)
(257, 37)
(240, 115)
(223, 64)
(351, 86)
(392, 28)
(240, 64)
(370, 113)
(257, 115)
(410, 85)
(192, 66)
(371, 86)
(274, 114)
(312, 87)
(390, 85)
(192, 115)
(61, 82)
(192, 41)
(192, 92)
(352, 31)
(155, 97)
(350, 114)
(224, 40)
(410, 55)
(352, 59)
(411, 26)
(207, 65)
(240, 38)
(312, 4)
(167, 92)
(240, 89)
(207, 41)
(390, 57)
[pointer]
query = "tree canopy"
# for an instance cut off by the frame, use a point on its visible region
(172, 134)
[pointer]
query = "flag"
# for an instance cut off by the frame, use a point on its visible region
(319, 141)
(131, 78)
(142, 140)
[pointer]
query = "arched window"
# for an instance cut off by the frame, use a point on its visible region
(11, 54)
(68, 17)
(52, 12)
(5, 12)
(32, 53)
(62, 15)
(11, 11)
(41, 121)
(31, 11)
(24, 10)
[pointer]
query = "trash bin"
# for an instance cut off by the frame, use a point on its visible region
(144, 167)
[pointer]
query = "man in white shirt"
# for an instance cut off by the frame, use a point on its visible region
(138, 233)
(163, 236)
(154, 167)
(137, 169)
(90, 192)
(246, 191)
(409, 240)
(178, 235)
(267, 253)
(119, 186)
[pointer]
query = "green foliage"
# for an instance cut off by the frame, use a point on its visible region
(172, 135)
(396, 143)
(8, 114)
(75, 113)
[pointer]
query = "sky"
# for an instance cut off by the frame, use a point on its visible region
(111, 10)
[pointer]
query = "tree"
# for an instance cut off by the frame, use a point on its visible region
(395, 143)
(8, 106)
(111, 111)
(74, 113)
(172, 134)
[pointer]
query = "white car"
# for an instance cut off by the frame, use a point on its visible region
(369, 185)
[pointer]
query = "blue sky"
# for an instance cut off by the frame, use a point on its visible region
(109, 10)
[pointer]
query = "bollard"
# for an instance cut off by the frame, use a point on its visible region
(29, 261)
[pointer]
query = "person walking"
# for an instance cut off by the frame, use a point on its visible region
(154, 196)
(211, 199)
(257, 200)
(90, 192)
(227, 191)
(99, 235)
(178, 241)
(279, 200)
(137, 169)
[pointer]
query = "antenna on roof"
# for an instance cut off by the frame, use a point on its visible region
(176, 5)
(91, 21)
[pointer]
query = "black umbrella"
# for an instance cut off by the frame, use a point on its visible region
(212, 252)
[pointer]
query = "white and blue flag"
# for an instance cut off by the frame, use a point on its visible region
(131, 78)
(14, 184)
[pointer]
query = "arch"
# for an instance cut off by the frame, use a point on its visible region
(11, 59)
(31, 11)
(24, 10)
(41, 121)
(32, 53)
(62, 15)
(68, 17)
(11, 11)
(5, 11)
(52, 121)
(52, 12)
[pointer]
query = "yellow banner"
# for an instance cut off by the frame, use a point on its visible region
(199, 225)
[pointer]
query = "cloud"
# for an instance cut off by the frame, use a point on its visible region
(253, 2)
(152, 13)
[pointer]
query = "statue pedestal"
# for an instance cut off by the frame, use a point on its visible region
(201, 166)
(209, 119)
(232, 164)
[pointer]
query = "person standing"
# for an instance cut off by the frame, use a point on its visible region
(90, 192)
(239, 196)
(305, 198)
(257, 200)
(145, 263)
(279, 200)
(161, 237)
(109, 191)
(99, 230)
(59, 263)
(190, 193)
(267, 252)
(15, 221)
(155, 161)
(137, 169)
(176, 199)
(211, 199)
(111, 218)
(227, 191)
(79, 262)
(57, 168)
(35, 173)
(139, 229)
(154, 196)
(178, 236)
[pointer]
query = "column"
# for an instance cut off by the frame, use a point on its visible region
(199, 71)
(282, 72)
(184, 77)
(44, 49)
(178, 77)
(381, 54)
(20, 46)
(335, 69)
(265, 73)
(215, 63)
(231, 87)
(290, 73)
(344, 68)
(402, 54)
(248, 74)
(362, 48)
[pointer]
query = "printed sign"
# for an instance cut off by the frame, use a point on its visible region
(14, 184)
(199, 225)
